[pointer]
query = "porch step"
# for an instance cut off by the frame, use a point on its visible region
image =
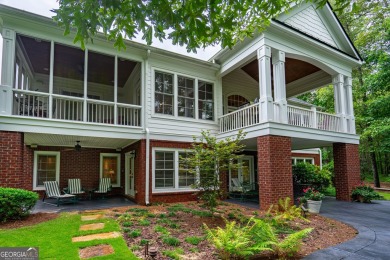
(96, 237)
(91, 217)
(93, 226)
(93, 251)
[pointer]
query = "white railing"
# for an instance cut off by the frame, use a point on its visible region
(30, 103)
(328, 122)
(300, 116)
(238, 119)
(100, 112)
(129, 115)
(68, 108)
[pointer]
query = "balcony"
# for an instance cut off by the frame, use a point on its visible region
(296, 116)
(34, 104)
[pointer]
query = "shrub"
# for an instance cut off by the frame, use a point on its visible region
(364, 193)
(194, 240)
(289, 246)
(161, 229)
(284, 211)
(16, 203)
(308, 174)
(144, 222)
(127, 224)
(171, 241)
(173, 254)
(134, 233)
(143, 242)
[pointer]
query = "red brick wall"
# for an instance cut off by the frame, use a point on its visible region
(316, 157)
(346, 169)
(274, 169)
(11, 159)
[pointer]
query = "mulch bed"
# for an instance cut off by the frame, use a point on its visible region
(32, 219)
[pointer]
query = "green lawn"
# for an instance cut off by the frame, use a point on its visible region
(385, 195)
(54, 238)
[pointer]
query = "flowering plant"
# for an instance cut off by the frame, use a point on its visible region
(311, 194)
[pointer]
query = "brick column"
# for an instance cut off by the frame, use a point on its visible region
(346, 169)
(274, 169)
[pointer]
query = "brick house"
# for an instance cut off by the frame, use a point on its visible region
(130, 114)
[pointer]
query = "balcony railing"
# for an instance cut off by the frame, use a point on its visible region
(297, 116)
(36, 104)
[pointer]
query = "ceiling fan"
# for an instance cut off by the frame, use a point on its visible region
(77, 147)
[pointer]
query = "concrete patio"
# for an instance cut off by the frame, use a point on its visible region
(109, 202)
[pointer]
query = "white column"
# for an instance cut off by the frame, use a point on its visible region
(266, 101)
(340, 100)
(278, 61)
(51, 79)
(7, 71)
(85, 112)
(116, 90)
(349, 103)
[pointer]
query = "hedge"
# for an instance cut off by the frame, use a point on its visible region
(16, 203)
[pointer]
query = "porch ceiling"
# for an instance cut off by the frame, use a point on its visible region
(296, 143)
(70, 141)
(294, 69)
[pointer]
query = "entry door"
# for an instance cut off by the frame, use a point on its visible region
(130, 175)
(245, 174)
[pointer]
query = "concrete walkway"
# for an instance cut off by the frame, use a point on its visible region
(371, 220)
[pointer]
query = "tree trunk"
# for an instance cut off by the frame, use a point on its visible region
(375, 170)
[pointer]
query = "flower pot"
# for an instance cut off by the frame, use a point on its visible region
(314, 206)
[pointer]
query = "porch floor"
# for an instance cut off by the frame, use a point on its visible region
(109, 202)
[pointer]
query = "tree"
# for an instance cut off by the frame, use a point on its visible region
(208, 159)
(194, 23)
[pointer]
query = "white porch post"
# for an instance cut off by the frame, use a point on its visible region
(7, 73)
(266, 101)
(340, 101)
(278, 61)
(349, 99)
(85, 105)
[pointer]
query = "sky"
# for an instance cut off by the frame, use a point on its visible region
(43, 7)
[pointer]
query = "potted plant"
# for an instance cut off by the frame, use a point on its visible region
(365, 193)
(313, 199)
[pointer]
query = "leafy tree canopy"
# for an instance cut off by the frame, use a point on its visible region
(193, 23)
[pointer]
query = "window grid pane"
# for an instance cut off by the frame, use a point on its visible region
(46, 168)
(186, 179)
(205, 102)
(164, 170)
(185, 100)
(163, 101)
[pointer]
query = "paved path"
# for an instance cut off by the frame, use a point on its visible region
(371, 220)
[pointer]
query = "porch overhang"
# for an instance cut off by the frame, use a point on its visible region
(302, 138)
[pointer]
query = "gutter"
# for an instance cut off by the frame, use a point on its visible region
(320, 153)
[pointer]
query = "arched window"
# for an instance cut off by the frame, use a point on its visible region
(234, 102)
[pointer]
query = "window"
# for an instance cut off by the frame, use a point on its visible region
(176, 95)
(185, 97)
(186, 178)
(205, 103)
(46, 168)
(163, 101)
(169, 173)
(164, 171)
(110, 167)
(296, 160)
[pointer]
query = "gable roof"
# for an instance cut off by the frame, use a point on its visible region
(320, 24)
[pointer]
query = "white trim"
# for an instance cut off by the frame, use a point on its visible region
(295, 158)
(176, 152)
(129, 168)
(35, 171)
(118, 166)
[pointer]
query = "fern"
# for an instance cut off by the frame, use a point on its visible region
(284, 211)
(291, 244)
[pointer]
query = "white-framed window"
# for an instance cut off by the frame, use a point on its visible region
(296, 160)
(46, 168)
(182, 96)
(110, 166)
(169, 174)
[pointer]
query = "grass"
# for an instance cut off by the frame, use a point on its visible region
(54, 238)
(385, 195)
(194, 240)
(330, 191)
(173, 254)
(171, 241)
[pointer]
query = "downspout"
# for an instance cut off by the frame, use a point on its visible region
(147, 168)
(320, 152)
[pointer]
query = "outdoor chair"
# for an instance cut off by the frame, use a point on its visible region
(52, 191)
(236, 185)
(74, 187)
(104, 187)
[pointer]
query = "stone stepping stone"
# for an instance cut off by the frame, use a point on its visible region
(91, 217)
(93, 251)
(93, 226)
(96, 236)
